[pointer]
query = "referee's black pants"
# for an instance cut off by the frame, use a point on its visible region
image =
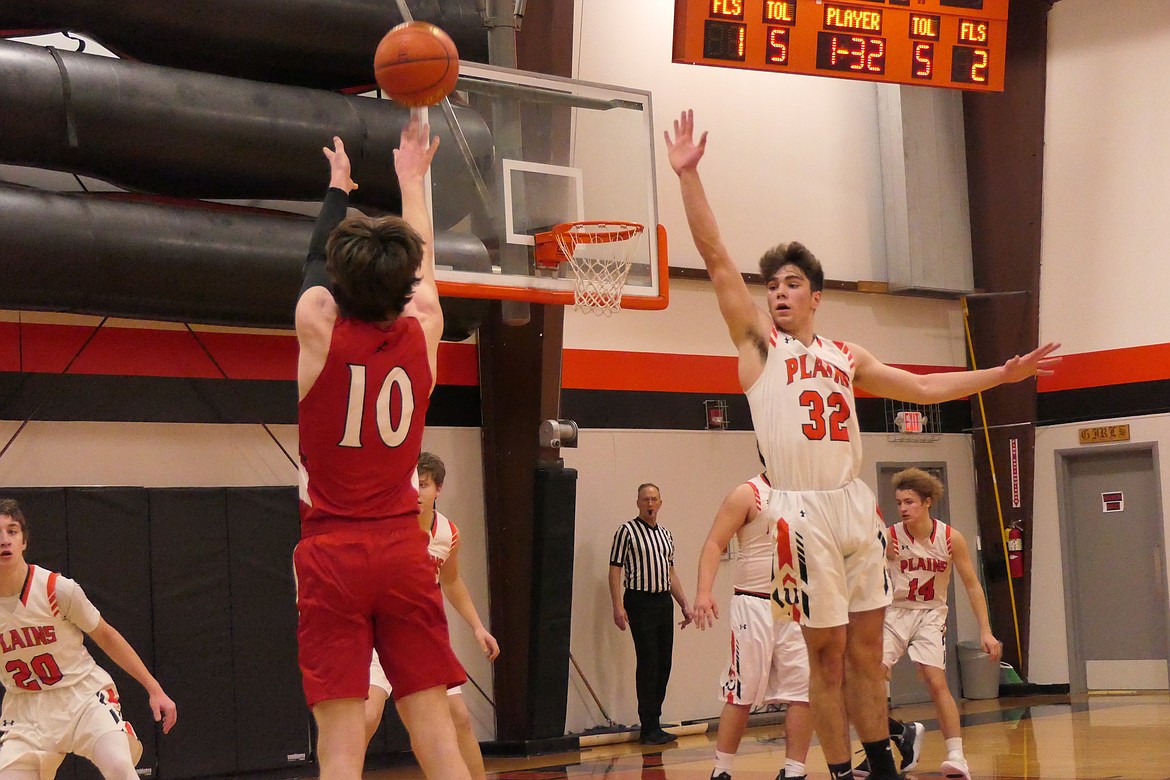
(651, 618)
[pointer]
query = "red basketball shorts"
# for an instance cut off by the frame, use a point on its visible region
(370, 586)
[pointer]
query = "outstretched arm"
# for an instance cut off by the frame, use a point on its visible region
(728, 520)
(961, 556)
(316, 309)
(455, 589)
(412, 160)
(885, 381)
(120, 652)
(746, 322)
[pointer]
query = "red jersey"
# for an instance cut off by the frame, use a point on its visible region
(361, 425)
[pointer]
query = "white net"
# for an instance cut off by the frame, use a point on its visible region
(600, 255)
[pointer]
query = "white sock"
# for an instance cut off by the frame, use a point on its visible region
(955, 748)
(723, 761)
(793, 768)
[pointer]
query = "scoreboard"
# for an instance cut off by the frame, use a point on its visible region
(960, 44)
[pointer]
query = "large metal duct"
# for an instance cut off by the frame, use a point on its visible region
(186, 134)
(328, 44)
(95, 254)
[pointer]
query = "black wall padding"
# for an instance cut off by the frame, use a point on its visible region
(192, 135)
(193, 629)
(110, 556)
(88, 254)
(271, 720)
(555, 513)
(318, 43)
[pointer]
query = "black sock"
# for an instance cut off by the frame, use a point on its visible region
(881, 759)
(840, 771)
(897, 728)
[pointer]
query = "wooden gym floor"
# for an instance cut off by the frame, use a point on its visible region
(1119, 736)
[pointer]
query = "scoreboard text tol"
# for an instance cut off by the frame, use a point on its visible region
(960, 44)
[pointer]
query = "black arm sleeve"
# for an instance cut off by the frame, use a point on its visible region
(332, 212)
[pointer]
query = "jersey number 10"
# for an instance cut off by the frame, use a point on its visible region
(392, 434)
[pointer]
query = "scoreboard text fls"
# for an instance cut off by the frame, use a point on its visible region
(942, 43)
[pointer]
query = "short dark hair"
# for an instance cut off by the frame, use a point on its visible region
(10, 507)
(645, 485)
(373, 263)
(924, 484)
(797, 254)
(432, 465)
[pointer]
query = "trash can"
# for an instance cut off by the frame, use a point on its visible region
(978, 672)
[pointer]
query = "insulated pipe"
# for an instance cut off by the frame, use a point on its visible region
(125, 257)
(193, 135)
(326, 44)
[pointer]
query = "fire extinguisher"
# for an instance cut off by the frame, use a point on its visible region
(1015, 546)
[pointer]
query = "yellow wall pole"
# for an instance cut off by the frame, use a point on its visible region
(995, 488)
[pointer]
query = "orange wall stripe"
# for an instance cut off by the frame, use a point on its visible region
(593, 369)
(1105, 368)
(48, 348)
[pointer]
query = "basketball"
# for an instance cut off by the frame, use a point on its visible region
(416, 64)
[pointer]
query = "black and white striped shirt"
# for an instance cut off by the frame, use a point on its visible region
(645, 553)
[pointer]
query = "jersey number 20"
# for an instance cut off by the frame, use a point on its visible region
(819, 425)
(29, 676)
(392, 434)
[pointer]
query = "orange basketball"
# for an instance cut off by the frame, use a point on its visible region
(416, 64)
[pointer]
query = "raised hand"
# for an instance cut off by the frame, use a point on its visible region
(1036, 363)
(339, 171)
(682, 151)
(415, 151)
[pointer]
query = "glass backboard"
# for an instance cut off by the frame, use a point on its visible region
(560, 151)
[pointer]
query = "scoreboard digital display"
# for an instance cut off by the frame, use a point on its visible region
(958, 44)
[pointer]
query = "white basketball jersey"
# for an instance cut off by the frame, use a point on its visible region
(753, 564)
(444, 540)
(805, 416)
(921, 573)
(42, 633)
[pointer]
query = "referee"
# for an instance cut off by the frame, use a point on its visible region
(642, 559)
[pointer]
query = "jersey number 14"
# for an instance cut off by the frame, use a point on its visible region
(925, 592)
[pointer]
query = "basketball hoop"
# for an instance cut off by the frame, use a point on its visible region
(599, 254)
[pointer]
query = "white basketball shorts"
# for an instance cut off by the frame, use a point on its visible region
(922, 631)
(52, 722)
(838, 544)
(769, 661)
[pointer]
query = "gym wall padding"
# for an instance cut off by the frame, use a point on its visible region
(193, 626)
(555, 502)
(272, 723)
(108, 534)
